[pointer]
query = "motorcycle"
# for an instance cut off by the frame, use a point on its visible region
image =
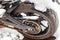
(32, 23)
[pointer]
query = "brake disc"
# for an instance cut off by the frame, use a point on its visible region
(34, 27)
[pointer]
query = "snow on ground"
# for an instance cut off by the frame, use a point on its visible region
(57, 9)
(10, 34)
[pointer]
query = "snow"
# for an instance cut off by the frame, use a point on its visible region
(10, 34)
(2, 12)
